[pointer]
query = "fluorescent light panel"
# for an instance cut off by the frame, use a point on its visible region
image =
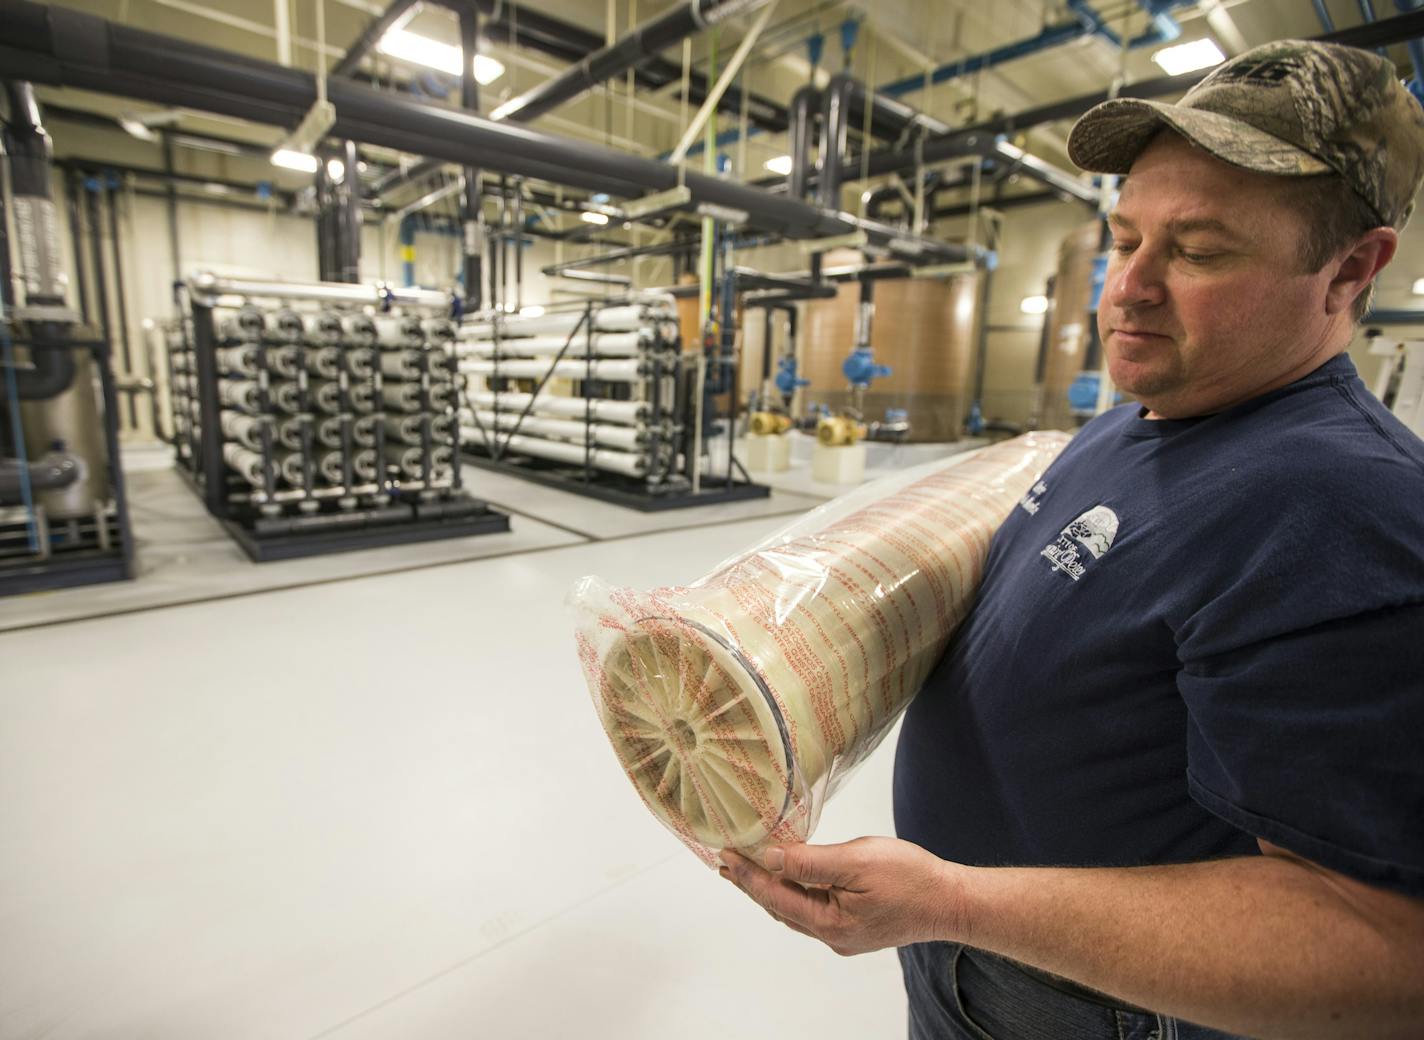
(781, 164)
(1034, 305)
(1189, 57)
(443, 57)
(593, 218)
(1419, 287)
(300, 161)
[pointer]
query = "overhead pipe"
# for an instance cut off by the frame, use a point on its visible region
(939, 149)
(472, 218)
(121, 59)
(835, 122)
(644, 40)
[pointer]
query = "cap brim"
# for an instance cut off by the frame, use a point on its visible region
(1109, 137)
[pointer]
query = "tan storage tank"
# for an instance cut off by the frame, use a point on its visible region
(925, 329)
(1070, 327)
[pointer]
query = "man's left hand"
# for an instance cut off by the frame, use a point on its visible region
(864, 895)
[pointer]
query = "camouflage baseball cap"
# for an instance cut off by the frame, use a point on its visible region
(1293, 108)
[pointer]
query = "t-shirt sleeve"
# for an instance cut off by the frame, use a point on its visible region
(1313, 740)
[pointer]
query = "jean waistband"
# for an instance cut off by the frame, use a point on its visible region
(986, 960)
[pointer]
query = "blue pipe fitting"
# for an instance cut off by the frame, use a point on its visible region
(860, 368)
(786, 378)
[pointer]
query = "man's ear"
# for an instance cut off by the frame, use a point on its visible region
(1357, 268)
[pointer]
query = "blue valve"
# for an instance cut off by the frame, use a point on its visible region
(860, 368)
(786, 379)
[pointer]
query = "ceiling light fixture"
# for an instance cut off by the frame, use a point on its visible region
(443, 57)
(1034, 305)
(590, 217)
(781, 164)
(1189, 57)
(303, 162)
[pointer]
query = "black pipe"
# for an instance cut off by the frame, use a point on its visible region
(804, 104)
(648, 38)
(349, 194)
(835, 121)
(124, 347)
(370, 37)
(168, 172)
(51, 472)
(472, 231)
(71, 193)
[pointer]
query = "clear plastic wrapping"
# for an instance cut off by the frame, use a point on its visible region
(738, 704)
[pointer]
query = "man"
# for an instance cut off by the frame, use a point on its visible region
(1170, 769)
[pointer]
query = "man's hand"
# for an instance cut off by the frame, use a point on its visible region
(864, 895)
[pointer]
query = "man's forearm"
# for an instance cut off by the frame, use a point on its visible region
(1268, 946)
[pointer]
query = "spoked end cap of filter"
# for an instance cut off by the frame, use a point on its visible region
(698, 733)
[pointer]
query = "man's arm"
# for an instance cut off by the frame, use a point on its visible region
(1269, 946)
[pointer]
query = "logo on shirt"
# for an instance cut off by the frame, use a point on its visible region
(1030, 502)
(1088, 537)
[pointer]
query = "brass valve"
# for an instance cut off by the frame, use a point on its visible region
(837, 430)
(769, 422)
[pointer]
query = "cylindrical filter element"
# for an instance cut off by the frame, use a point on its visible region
(285, 326)
(438, 329)
(403, 364)
(599, 409)
(240, 393)
(600, 344)
(245, 429)
(291, 467)
(360, 362)
(629, 438)
(610, 371)
(406, 397)
(241, 359)
(247, 463)
(326, 396)
(628, 464)
(363, 430)
(399, 332)
(284, 361)
(407, 428)
(737, 705)
(321, 329)
(608, 319)
(358, 330)
(327, 431)
(288, 433)
(243, 325)
(286, 397)
(362, 397)
(324, 362)
(408, 458)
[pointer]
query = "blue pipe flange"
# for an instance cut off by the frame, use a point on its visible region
(860, 368)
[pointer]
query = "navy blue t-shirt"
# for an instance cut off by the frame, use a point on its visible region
(1193, 633)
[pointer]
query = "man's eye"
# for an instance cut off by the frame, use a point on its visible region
(1124, 247)
(1195, 258)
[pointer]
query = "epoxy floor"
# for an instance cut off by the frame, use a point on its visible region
(380, 807)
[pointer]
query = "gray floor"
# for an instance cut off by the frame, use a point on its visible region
(366, 796)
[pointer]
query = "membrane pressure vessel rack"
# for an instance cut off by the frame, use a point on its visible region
(597, 399)
(316, 418)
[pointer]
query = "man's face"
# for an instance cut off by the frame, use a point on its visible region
(1206, 302)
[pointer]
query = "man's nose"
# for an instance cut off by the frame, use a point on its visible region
(1135, 279)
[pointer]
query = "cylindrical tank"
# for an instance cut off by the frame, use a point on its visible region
(1069, 327)
(69, 422)
(925, 329)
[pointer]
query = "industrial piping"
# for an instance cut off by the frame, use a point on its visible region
(63, 47)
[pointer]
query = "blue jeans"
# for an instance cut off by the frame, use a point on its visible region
(959, 993)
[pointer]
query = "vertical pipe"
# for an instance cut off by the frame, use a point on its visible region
(119, 298)
(802, 134)
(173, 201)
(76, 233)
(350, 195)
(472, 231)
